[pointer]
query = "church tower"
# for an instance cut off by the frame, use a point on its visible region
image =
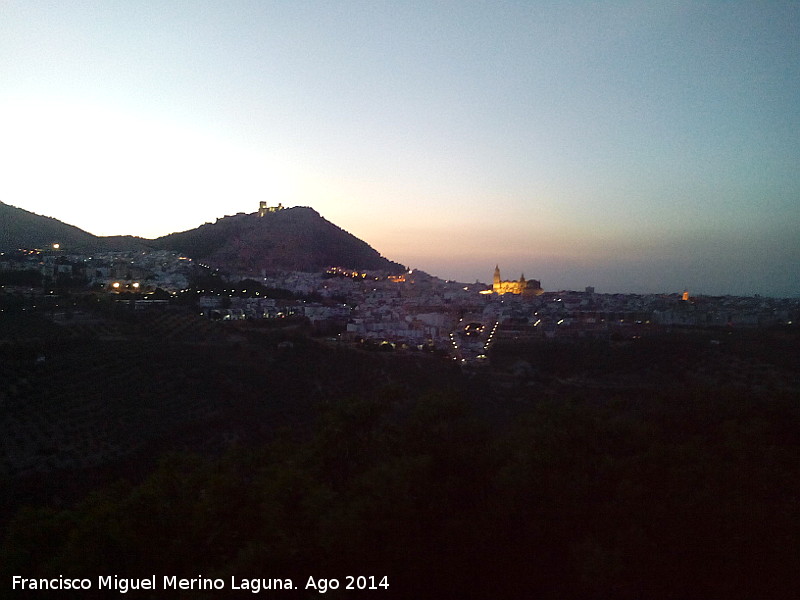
(520, 286)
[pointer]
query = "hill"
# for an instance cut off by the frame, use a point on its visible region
(22, 229)
(158, 442)
(294, 239)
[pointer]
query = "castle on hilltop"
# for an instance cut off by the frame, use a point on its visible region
(531, 287)
(264, 209)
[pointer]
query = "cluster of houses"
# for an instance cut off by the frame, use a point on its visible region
(418, 309)
(411, 308)
(136, 271)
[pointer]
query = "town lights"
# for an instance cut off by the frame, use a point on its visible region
(117, 286)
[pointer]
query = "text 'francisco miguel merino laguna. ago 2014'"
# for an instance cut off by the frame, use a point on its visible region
(124, 585)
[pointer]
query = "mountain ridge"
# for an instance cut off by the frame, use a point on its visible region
(292, 239)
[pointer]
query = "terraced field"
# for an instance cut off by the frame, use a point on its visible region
(94, 392)
(91, 402)
(89, 391)
(397, 461)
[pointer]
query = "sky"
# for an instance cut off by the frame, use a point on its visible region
(630, 146)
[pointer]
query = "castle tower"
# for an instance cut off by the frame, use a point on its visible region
(497, 274)
(262, 208)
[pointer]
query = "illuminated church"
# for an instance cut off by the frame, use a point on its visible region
(529, 288)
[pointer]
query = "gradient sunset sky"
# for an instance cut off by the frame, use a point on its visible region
(631, 146)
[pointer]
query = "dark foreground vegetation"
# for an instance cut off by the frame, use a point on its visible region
(274, 456)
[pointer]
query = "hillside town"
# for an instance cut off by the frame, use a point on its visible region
(412, 310)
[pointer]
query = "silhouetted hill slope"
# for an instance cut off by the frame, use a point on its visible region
(20, 228)
(292, 239)
(123, 243)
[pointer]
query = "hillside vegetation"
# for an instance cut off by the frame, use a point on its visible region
(139, 448)
(22, 229)
(297, 239)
